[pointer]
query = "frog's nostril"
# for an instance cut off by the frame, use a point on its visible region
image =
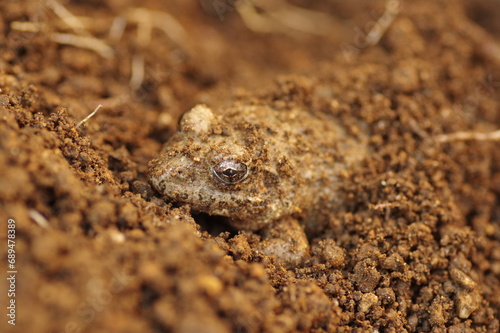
(177, 173)
(183, 196)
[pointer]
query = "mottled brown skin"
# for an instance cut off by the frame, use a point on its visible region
(280, 166)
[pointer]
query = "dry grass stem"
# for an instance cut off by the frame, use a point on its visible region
(38, 218)
(67, 17)
(384, 22)
(171, 27)
(90, 43)
(161, 20)
(89, 116)
(301, 19)
(113, 102)
(138, 69)
(461, 136)
(25, 26)
(384, 205)
(144, 32)
(262, 16)
(117, 29)
(255, 21)
(284, 17)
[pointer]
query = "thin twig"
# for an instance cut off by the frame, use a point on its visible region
(457, 136)
(89, 116)
(385, 205)
(38, 218)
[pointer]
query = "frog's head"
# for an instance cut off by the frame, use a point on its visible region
(223, 166)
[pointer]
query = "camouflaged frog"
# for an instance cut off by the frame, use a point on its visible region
(267, 170)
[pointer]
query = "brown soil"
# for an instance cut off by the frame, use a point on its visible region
(97, 250)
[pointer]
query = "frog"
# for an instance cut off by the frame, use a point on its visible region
(272, 171)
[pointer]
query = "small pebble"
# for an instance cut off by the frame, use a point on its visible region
(466, 303)
(462, 279)
(367, 301)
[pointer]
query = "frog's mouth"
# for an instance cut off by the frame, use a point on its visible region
(237, 208)
(240, 211)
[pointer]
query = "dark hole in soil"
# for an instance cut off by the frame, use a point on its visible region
(214, 225)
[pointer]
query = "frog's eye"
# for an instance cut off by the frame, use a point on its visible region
(230, 172)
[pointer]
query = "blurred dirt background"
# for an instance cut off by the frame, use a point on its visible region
(416, 250)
